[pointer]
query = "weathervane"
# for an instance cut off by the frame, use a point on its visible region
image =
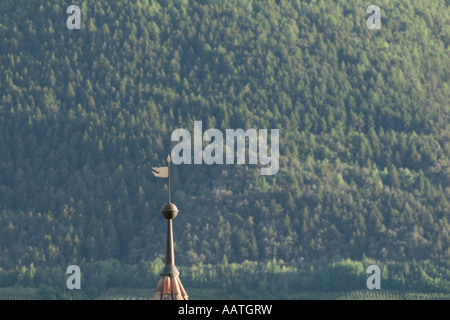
(163, 172)
(169, 286)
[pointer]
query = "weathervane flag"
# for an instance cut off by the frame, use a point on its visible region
(163, 172)
(160, 172)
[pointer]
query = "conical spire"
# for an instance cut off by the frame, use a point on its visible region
(169, 286)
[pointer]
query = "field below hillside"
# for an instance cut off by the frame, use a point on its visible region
(216, 294)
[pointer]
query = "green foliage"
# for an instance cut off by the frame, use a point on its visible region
(273, 279)
(84, 115)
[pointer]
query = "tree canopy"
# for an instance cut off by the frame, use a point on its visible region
(363, 118)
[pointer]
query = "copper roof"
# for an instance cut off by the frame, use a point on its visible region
(170, 288)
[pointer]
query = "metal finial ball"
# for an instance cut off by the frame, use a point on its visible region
(169, 211)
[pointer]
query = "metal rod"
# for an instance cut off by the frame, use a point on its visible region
(170, 256)
(168, 173)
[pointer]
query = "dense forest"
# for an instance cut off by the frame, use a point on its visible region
(364, 136)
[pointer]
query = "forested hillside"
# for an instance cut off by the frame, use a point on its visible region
(363, 118)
